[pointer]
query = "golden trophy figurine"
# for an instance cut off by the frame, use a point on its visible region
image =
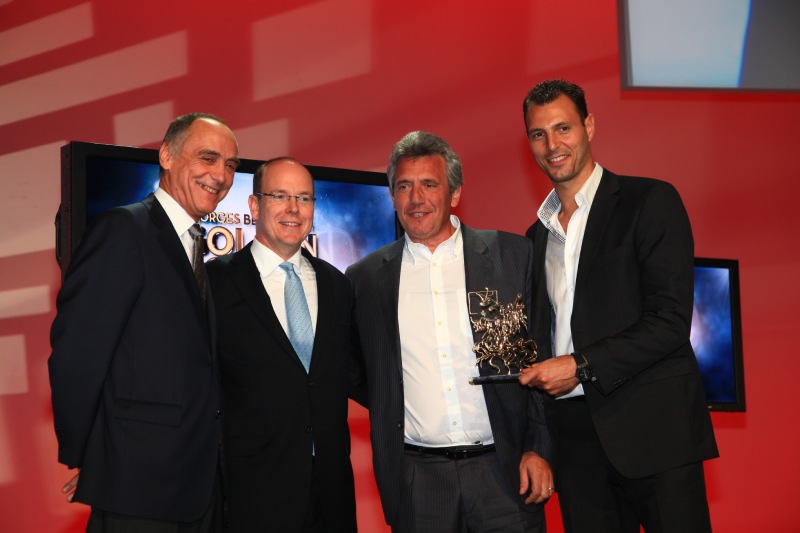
(503, 345)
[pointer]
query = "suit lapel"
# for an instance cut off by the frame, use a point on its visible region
(247, 278)
(170, 242)
(326, 309)
(477, 265)
(605, 200)
(388, 283)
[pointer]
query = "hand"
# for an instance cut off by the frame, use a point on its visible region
(555, 376)
(69, 488)
(535, 476)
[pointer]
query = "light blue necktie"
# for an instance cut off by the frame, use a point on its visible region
(298, 317)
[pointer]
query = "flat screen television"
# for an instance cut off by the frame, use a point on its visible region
(728, 45)
(353, 214)
(717, 332)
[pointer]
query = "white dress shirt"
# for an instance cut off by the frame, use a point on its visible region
(273, 278)
(561, 261)
(180, 220)
(441, 407)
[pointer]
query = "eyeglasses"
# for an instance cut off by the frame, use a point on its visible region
(281, 198)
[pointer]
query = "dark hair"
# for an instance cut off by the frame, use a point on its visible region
(178, 128)
(258, 177)
(423, 144)
(548, 90)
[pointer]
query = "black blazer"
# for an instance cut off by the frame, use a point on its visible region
(133, 373)
(274, 410)
(631, 318)
(492, 259)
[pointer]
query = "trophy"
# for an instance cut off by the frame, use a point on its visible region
(503, 345)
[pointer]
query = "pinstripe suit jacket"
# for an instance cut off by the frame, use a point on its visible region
(492, 259)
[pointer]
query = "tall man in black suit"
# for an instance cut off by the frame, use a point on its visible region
(288, 442)
(614, 269)
(448, 456)
(133, 370)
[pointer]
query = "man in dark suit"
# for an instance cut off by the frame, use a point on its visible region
(448, 455)
(133, 370)
(288, 442)
(614, 269)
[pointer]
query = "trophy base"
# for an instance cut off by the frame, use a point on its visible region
(500, 378)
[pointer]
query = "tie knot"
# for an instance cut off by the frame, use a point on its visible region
(287, 267)
(196, 230)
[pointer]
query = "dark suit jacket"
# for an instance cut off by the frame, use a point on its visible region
(492, 259)
(631, 318)
(132, 372)
(274, 410)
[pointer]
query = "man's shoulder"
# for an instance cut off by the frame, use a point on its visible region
(492, 238)
(638, 183)
(375, 259)
(323, 267)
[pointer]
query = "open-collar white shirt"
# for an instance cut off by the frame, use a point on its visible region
(441, 407)
(561, 261)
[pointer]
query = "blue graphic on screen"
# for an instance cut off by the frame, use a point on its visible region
(350, 219)
(111, 183)
(712, 334)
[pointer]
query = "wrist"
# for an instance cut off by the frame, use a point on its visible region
(583, 371)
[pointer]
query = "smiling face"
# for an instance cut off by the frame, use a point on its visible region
(422, 199)
(283, 227)
(559, 140)
(199, 173)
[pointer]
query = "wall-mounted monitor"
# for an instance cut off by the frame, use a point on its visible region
(353, 214)
(717, 332)
(742, 45)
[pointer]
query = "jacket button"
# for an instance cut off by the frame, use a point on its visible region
(217, 415)
(308, 429)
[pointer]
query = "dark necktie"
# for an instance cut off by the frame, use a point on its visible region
(298, 317)
(196, 231)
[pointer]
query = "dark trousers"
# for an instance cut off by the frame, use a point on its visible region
(465, 495)
(211, 521)
(595, 498)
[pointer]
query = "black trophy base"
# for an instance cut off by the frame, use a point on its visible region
(499, 378)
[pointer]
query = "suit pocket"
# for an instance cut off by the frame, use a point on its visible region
(150, 412)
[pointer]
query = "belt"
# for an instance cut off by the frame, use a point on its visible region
(452, 452)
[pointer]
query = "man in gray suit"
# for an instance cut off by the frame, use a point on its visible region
(448, 455)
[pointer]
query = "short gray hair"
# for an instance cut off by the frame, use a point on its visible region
(424, 144)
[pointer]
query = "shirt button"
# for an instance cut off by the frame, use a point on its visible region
(444, 355)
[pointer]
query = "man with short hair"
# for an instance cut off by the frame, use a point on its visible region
(133, 370)
(448, 455)
(284, 347)
(613, 290)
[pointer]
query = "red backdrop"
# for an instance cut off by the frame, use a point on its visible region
(336, 83)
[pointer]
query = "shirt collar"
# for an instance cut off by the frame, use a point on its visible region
(551, 206)
(178, 216)
(453, 247)
(267, 260)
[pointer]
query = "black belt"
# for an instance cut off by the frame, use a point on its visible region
(452, 452)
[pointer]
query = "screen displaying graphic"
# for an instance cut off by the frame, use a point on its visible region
(353, 214)
(350, 219)
(710, 44)
(716, 332)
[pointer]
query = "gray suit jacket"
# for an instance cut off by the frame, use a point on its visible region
(492, 259)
